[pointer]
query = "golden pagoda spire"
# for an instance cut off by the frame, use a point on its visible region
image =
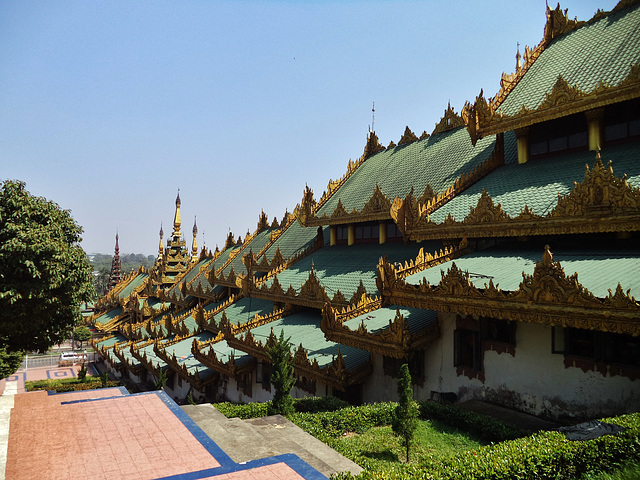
(176, 219)
(194, 246)
(161, 247)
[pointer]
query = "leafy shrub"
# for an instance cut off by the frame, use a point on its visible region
(244, 410)
(483, 426)
(542, 456)
(319, 404)
(70, 384)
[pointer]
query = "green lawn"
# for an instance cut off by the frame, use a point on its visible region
(630, 471)
(379, 449)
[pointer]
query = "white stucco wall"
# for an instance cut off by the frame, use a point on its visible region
(534, 380)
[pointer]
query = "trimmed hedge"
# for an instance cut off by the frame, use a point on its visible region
(542, 456)
(68, 384)
(301, 405)
(487, 428)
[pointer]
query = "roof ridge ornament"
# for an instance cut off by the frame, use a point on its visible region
(449, 121)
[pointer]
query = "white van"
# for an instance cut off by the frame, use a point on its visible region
(70, 358)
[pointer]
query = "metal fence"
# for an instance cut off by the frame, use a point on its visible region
(52, 360)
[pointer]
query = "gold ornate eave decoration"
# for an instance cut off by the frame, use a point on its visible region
(210, 359)
(548, 297)
(335, 374)
(600, 203)
(478, 117)
(375, 209)
(449, 121)
(181, 369)
(206, 320)
(312, 293)
(394, 341)
(563, 100)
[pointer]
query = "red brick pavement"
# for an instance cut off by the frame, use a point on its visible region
(128, 437)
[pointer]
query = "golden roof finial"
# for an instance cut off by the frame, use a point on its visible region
(194, 247)
(161, 247)
(176, 219)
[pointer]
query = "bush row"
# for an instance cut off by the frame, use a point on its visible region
(336, 417)
(484, 427)
(542, 456)
(68, 384)
(301, 405)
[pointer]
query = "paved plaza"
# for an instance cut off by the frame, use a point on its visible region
(109, 433)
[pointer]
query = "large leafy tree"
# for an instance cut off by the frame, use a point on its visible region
(44, 273)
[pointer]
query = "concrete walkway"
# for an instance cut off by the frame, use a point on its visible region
(247, 440)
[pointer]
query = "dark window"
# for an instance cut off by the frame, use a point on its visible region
(245, 383)
(498, 331)
(342, 232)
(367, 232)
(466, 349)
(392, 231)
(566, 133)
(602, 347)
(391, 366)
(622, 120)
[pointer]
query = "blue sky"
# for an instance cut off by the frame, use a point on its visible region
(107, 108)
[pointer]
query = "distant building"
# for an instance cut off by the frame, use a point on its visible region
(499, 256)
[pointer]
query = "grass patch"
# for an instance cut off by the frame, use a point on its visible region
(379, 449)
(628, 471)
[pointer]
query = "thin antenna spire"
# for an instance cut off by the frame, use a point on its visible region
(373, 117)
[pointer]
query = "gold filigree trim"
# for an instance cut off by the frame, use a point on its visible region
(377, 208)
(600, 203)
(548, 297)
(449, 121)
(410, 214)
(407, 137)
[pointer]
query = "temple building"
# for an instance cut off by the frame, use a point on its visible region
(499, 256)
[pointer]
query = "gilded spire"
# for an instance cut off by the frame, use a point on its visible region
(194, 247)
(176, 219)
(116, 269)
(161, 247)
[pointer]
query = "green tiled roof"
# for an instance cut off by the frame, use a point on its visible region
(190, 275)
(343, 267)
(295, 239)
(603, 50)
(182, 351)
(112, 341)
(135, 282)
(538, 182)
(224, 256)
(256, 244)
(223, 351)
(304, 328)
(152, 358)
(438, 160)
(245, 309)
(378, 320)
(110, 315)
(598, 270)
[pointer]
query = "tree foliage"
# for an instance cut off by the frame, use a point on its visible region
(44, 273)
(9, 362)
(282, 377)
(81, 334)
(405, 419)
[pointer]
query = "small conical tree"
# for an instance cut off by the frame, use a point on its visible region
(405, 420)
(281, 374)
